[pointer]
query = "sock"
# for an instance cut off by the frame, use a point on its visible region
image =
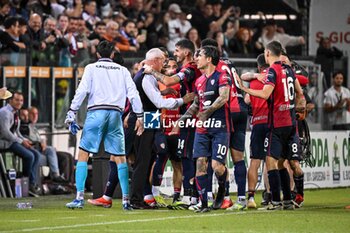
(227, 188)
(202, 184)
(148, 197)
(210, 177)
(123, 174)
(80, 178)
(177, 192)
(158, 169)
(299, 184)
(275, 185)
(155, 190)
(210, 196)
(107, 198)
(222, 178)
(240, 177)
(112, 179)
(188, 173)
(251, 194)
(285, 184)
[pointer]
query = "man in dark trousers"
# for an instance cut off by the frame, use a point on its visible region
(152, 101)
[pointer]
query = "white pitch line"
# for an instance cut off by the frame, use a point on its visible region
(159, 219)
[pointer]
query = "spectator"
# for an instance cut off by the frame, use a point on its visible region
(325, 56)
(178, 26)
(40, 7)
(85, 47)
(9, 40)
(242, 43)
(202, 17)
(89, 14)
(76, 10)
(19, 9)
(54, 41)
(29, 130)
(137, 11)
(67, 52)
(35, 38)
(5, 8)
(193, 36)
(122, 6)
(271, 33)
(12, 140)
(129, 31)
(220, 39)
(337, 103)
(113, 35)
(99, 31)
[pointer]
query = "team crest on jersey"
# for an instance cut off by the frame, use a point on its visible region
(212, 81)
(162, 145)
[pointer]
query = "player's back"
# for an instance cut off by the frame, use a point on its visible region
(282, 99)
(237, 103)
(106, 83)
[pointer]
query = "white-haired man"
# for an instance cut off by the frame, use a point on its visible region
(152, 100)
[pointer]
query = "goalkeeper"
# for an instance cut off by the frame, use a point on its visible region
(107, 85)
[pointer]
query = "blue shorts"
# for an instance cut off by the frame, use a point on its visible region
(106, 125)
(185, 143)
(283, 143)
(257, 139)
(239, 125)
(211, 145)
(166, 145)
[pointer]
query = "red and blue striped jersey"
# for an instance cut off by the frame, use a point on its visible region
(207, 89)
(282, 100)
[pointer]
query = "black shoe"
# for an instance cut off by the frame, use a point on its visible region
(34, 190)
(142, 206)
(59, 179)
(219, 198)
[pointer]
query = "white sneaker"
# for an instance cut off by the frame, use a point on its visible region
(196, 207)
(251, 203)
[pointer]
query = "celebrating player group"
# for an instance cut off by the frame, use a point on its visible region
(204, 107)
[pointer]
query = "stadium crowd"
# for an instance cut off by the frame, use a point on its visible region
(77, 33)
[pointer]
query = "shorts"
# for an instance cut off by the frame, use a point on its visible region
(283, 143)
(257, 139)
(166, 145)
(106, 125)
(239, 125)
(185, 143)
(212, 145)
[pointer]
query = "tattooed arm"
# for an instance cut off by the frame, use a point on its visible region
(224, 94)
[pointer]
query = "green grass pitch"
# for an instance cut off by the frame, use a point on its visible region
(323, 212)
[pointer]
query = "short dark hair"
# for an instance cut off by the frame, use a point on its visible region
(211, 51)
(210, 42)
(105, 48)
(260, 60)
(16, 93)
(336, 73)
(10, 21)
(100, 23)
(22, 21)
(126, 22)
(186, 44)
(275, 47)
